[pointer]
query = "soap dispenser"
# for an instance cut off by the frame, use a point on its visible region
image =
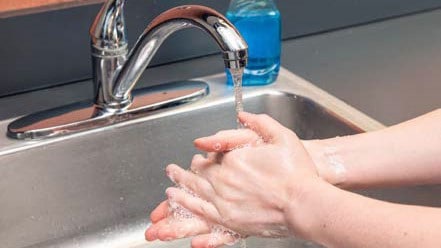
(259, 23)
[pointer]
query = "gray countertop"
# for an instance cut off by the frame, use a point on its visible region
(389, 70)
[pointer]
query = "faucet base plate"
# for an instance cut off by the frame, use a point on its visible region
(83, 116)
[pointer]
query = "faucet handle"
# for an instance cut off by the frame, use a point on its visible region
(108, 30)
(109, 53)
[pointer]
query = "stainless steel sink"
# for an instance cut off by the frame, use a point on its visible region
(95, 189)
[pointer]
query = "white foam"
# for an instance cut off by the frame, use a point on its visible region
(336, 163)
(180, 213)
(217, 231)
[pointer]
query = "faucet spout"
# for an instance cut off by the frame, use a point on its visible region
(115, 73)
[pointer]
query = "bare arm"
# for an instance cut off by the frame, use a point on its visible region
(405, 154)
(338, 218)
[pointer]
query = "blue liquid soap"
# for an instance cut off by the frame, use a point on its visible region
(261, 29)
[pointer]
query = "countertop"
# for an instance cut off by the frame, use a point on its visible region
(391, 70)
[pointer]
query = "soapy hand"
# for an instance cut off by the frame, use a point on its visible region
(247, 183)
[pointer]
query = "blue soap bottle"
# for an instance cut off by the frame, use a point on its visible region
(259, 23)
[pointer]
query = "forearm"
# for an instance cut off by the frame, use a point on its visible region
(336, 218)
(405, 154)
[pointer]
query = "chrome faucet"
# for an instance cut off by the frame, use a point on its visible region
(116, 71)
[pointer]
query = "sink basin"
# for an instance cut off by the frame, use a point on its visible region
(95, 189)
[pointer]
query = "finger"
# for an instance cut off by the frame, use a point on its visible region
(189, 180)
(205, 168)
(160, 212)
(228, 140)
(215, 157)
(151, 233)
(212, 240)
(268, 128)
(199, 164)
(195, 205)
(171, 229)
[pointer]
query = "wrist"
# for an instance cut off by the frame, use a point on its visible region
(310, 214)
